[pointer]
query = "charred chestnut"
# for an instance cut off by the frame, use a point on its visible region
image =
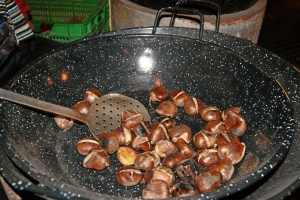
(167, 109)
(129, 176)
(183, 189)
(108, 142)
(97, 159)
(188, 170)
(208, 181)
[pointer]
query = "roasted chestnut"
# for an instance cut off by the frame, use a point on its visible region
(161, 173)
(188, 170)
(131, 119)
(108, 142)
(193, 106)
(124, 136)
(235, 123)
(158, 93)
(97, 159)
(85, 145)
(92, 94)
(169, 123)
(158, 132)
(206, 157)
(167, 109)
(224, 167)
(142, 129)
(179, 97)
(156, 189)
(126, 155)
(185, 148)
(208, 181)
(147, 160)
(172, 160)
(183, 189)
(141, 143)
(211, 113)
(63, 123)
(164, 148)
(82, 107)
(216, 127)
(129, 176)
(204, 139)
(181, 131)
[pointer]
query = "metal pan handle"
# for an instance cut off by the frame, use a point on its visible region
(175, 10)
(214, 6)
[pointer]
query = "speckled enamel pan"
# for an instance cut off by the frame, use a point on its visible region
(220, 70)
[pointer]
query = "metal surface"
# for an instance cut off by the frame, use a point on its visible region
(244, 24)
(104, 114)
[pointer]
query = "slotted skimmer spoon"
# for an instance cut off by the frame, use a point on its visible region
(104, 114)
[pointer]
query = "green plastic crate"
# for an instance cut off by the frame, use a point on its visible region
(70, 19)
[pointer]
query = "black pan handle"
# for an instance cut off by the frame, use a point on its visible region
(179, 10)
(214, 6)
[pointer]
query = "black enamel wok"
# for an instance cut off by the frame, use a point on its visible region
(219, 69)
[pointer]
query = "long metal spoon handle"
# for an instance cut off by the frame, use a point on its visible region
(42, 105)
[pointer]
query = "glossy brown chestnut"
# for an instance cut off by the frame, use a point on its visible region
(97, 159)
(185, 148)
(142, 129)
(129, 176)
(147, 160)
(181, 131)
(92, 94)
(156, 189)
(164, 148)
(211, 113)
(216, 127)
(179, 97)
(183, 189)
(63, 123)
(124, 136)
(204, 139)
(235, 123)
(131, 119)
(161, 173)
(85, 145)
(167, 109)
(172, 160)
(188, 170)
(206, 157)
(224, 167)
(158, 132)
(168, 122)
(158, 93)
(193, 106)
(108, 142)
(233, 151)
(126, 155)
(208, 181)
(82, 107)
(141, 143)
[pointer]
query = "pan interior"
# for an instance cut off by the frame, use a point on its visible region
(129, 65)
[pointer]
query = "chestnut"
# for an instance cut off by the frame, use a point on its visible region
(124, 135)
(185, 148)
(193, 106)
(167, 109)
(129, 176)
(156, 189)
(208, 181)
(108, 142)
(85, 145)
(179, 97)
(188, 170)
(158, 132)
(235, 123)
(158, 93)
(216, 127)
(183, 189)
(172, 160)
(92, 94)
(181, 131)
(232, 109)
(142, 129)
(97, 159)
(164, 148)
(204, 139)
(168, 122)
(211, 113)
(224, 167)
(233, 151)
(147, 160)
(161, 173)
(63, 123)
(141, 143)
(82, 107)
(206, 157)
(131, 119)
(126, 155)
